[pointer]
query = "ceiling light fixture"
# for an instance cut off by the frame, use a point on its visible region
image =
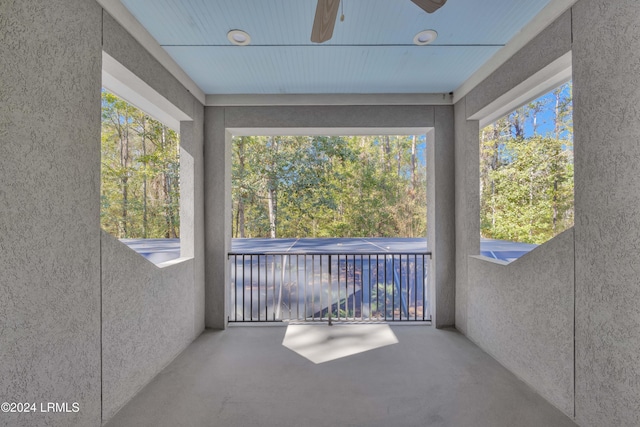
(425, 37)
(239, 37)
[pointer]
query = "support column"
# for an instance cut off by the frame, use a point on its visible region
(441, 217)
(217, 155)
(467, 205)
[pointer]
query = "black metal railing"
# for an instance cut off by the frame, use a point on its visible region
(277, 286)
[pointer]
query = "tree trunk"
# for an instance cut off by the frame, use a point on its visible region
(272, 194)
(240, 215)
(399, 154)
(413, 162)
(555, 205)
(124, 164)
(240, 221)
(556, 130)
(166, 189)
(271, 197)
(557, 93)
(386, 147)
(145, 220)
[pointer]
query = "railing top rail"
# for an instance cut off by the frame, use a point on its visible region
(320, 253)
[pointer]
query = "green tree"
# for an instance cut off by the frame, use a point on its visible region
(300, 186)
(526, 182)
(139, 174)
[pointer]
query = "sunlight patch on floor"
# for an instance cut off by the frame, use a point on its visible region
(322, 343)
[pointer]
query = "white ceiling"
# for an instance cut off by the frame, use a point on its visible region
(371, 52)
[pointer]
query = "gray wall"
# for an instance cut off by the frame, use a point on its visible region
(150, 314)
(467, 208)
(49, 208)
(606, 71)
(50, 238)
(218, 184)
(147, 320)
(524, 313)
(521, 313)
(192, 206)
(126, 50)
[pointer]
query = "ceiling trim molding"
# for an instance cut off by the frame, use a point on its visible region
(247, 100)
(550, 13)
(122, 15)
(327, 131)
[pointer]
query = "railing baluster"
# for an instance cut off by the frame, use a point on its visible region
(403, 306)
(321, 286)
(266, 291)
(339, 305)
(386, 261)
(313, 287)
(235, 290)
(244, 287)
(289, 287)
(273, 283)
(346, 288)
(403, 301)
(424, 287)
(329, 294)
(361, 287)
(415, 285)
(354, 286)
(378, 286)
(369, 285)
(393, 288)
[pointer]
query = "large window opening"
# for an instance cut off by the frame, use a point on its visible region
(329, 186)
(140, 191)
(329, 228)
(526, 175)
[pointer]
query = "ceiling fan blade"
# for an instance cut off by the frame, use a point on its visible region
(430, 6)
(325, 20)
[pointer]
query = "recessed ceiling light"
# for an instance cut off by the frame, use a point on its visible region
(239, 37)
(425, 37)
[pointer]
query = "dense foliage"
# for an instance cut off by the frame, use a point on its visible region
(302, 186)
(140, 169)
(358, 186)
(526, 171)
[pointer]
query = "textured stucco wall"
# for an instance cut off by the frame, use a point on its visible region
(522, 314)
(49, 209)
(192, 206)
(50, 239)
(150, 314)
(147, 320)
(217, 188)
(218, 182)
(606, 84)
(441, 208)
(467, 206)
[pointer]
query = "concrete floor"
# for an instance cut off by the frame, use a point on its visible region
(244, 377)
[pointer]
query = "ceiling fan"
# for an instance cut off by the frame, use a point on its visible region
(327, 12)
